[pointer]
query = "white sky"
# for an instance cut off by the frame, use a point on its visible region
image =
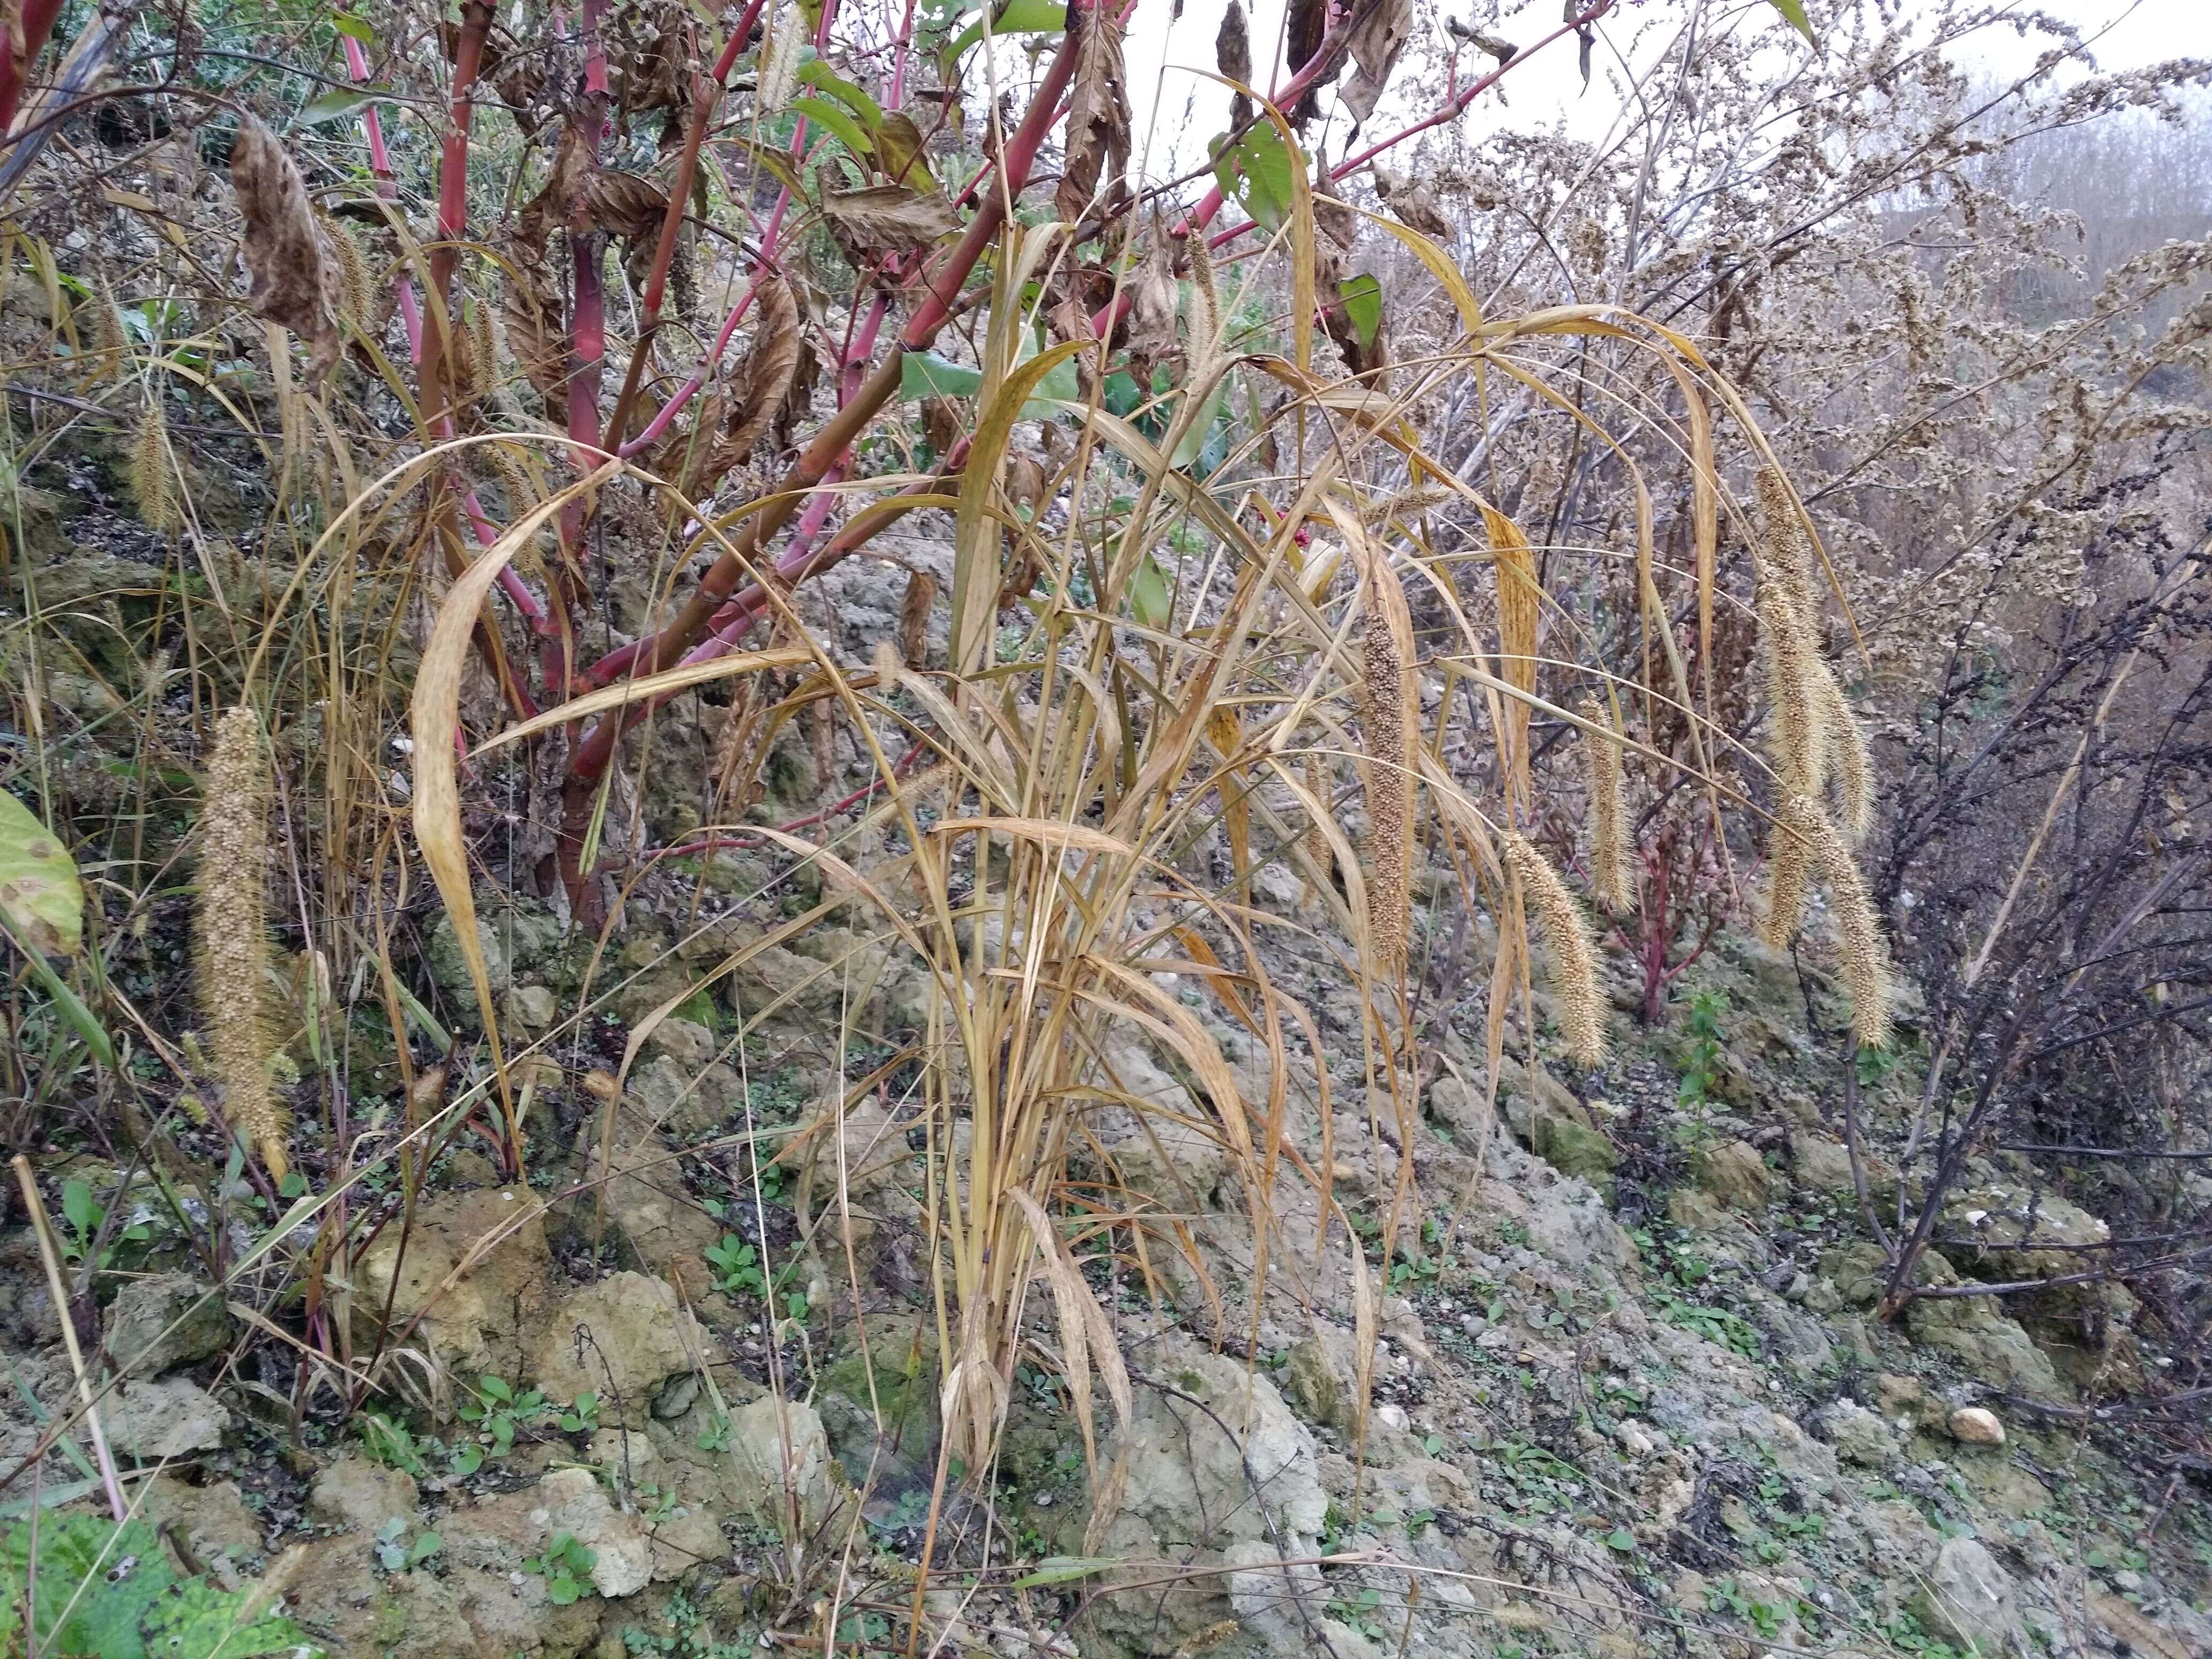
(1547, 88)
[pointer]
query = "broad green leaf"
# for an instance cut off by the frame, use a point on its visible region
(1151, 601)
(926, 375)
(334, 105)
(354, 25)
(1363, 303)
(1015, 17)
(1795, 11)
(1193, 441)
(1255, 173)
(846, 131)
(77, 1207)
(40, 894)
(819, 76)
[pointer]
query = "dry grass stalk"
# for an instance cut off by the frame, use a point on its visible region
(233, 935)
(1392, 709)
(1574, 959)
(1316, 838)
(1609, 875)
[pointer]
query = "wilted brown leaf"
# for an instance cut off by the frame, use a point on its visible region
(534, 333)
(1151, 333)
(1098, 117)
(296, 277)
(1232, 56)
(548, 211)
(624, 203)
(1308, 26)
(765, 382)
(891, 218)
(1413, 205)
(913, 617)
(1375, 45)
(940, 424)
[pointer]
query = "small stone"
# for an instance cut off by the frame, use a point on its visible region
(531, 1007)
(1392, 1414)
(1633, 1438)
(1974, 1426)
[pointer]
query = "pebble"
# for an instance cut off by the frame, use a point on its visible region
(1974, 1426)
(1392, 1414)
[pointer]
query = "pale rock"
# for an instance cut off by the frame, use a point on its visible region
(1634, 1439)
(641, 1336)
(686, 1042)
(1392, 1412)
(1187, 1482)
(1968, 1597)
(475, 1324)
(159, 1323)
(782, 1472)
(1858, 1434)
(573, 1501)
(168, 1418)
(361, 1496)
(1977, 1425)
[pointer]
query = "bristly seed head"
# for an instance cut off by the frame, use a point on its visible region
(1574, 961)
(233, 933)
(1610, 882)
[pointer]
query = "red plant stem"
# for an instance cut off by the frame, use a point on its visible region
(387, 187)
(452, 206)
(37, 23)
(651, 432)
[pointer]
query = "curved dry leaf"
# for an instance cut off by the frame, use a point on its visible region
(1098, 115)
(296, 278)
(891, 218)
(534, 333)
(1375, 45)
(771, 366)
(624, 204)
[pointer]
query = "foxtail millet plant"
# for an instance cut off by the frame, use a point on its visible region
(233, 924)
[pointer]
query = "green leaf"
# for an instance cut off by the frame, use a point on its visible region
(926, 375)
(109, 1592)
(1151, 601)
(842, 126)
(1015, 17)
(40, 894)
(1363, 303)
(423, 1548)
(334, 105)
(1620, 1538)
(819, 76)
(355, 26)
(1064, 1569)
(1795, 11)
(497, 1388)
(1255, 173)
(1193, 440)
(78, 1209)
